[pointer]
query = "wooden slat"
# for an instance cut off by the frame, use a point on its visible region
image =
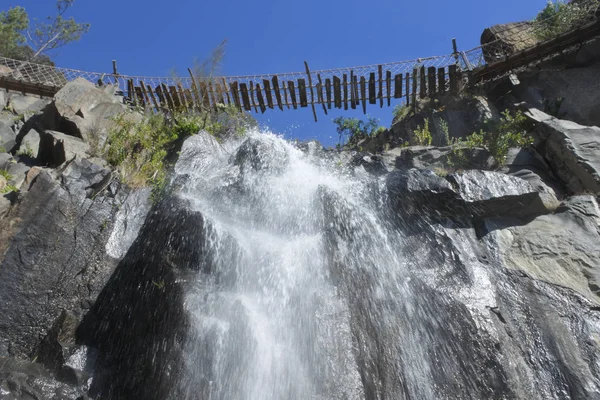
(195, 92)
(398, 86)
(235, 94)
(277, 90)
(182, 98)
(352, 99)
(252, 97)
(130, 91)
(161, 97)
(415, 77)
(293, 94)
(422, 83)
(345, 87)
(165, 92)
(312, 92)
(302, 92)
(245, 97)
(261, 100)
(372, 94)
(356, 91)
(452, 72)
(175, 97)
(380, 94)
(328, 92)
(268, 94)
(140, 96)
(226, 90)
(156, 104)
(320, 91)
(407, 86)
(220, 97)
(212, 95)
(388, 87)
(431, 84)
(145, 92)
(204, 94)
(189, 97)
(363, 93)
(441, 80)
(285, 95)
(337, 92)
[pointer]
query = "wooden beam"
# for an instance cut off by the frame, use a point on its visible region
(226, 90)
(293, 94)
(211, 94)
(388, 87)
(146, 97)
(156, 105)
(220, 97)
(352, 99)
(328, 92)
(431, 79)
(245, 97)
(337, 92)
(345, 87)
(398, 82)
(277, 90)
(441, 80)
(363, 93)
(161, 97)
(175, 97)
(235, 94)
(285, 95)
(261, 100)
(415, 76)
(355, 91)
(422, 83)
(252, 97)
(380, 94)
(182, 98)
(452, 72)
(140, 95)
(407, 86)
(312, 92)
(372, 94)
(302, 92)
(268, 94)
(320, 91)
(197, 98)
(165, 92)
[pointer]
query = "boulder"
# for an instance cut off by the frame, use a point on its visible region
(509, 39)
(441, 157)
(572, 150)
(83, 110)
(3, 99)
(414, 191)
(493, 194)
(7, 136)
(22, 104)
(371, 163)
(561, 248)
(55, 148)
(17, 171)
(30, 144)
(262, 154)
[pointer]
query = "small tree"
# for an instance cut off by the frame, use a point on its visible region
(352, 130)
(24, 42)
(12, 25)
(56, 31)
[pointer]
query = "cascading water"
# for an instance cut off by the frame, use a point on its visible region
(311, 285)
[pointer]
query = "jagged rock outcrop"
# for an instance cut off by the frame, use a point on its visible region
(572, 150)
(509, 39)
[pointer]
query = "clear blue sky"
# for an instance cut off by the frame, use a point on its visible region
(151, 37)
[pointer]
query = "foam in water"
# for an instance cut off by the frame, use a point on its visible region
(305, 271)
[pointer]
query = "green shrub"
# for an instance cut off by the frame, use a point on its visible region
(140, 150)
(559, 17)
(352, 130)
(498, 137)
(423, 135)
(25, 151)
(7, 188)
(400, 112)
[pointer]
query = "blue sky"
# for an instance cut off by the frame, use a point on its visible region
(151, 37)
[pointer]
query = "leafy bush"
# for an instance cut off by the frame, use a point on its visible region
(423, 135)
(559, 17)
(7, 177)
(352, 130)
(498, 137)
(400, 112)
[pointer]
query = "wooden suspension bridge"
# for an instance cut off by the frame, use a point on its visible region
(347, 88)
